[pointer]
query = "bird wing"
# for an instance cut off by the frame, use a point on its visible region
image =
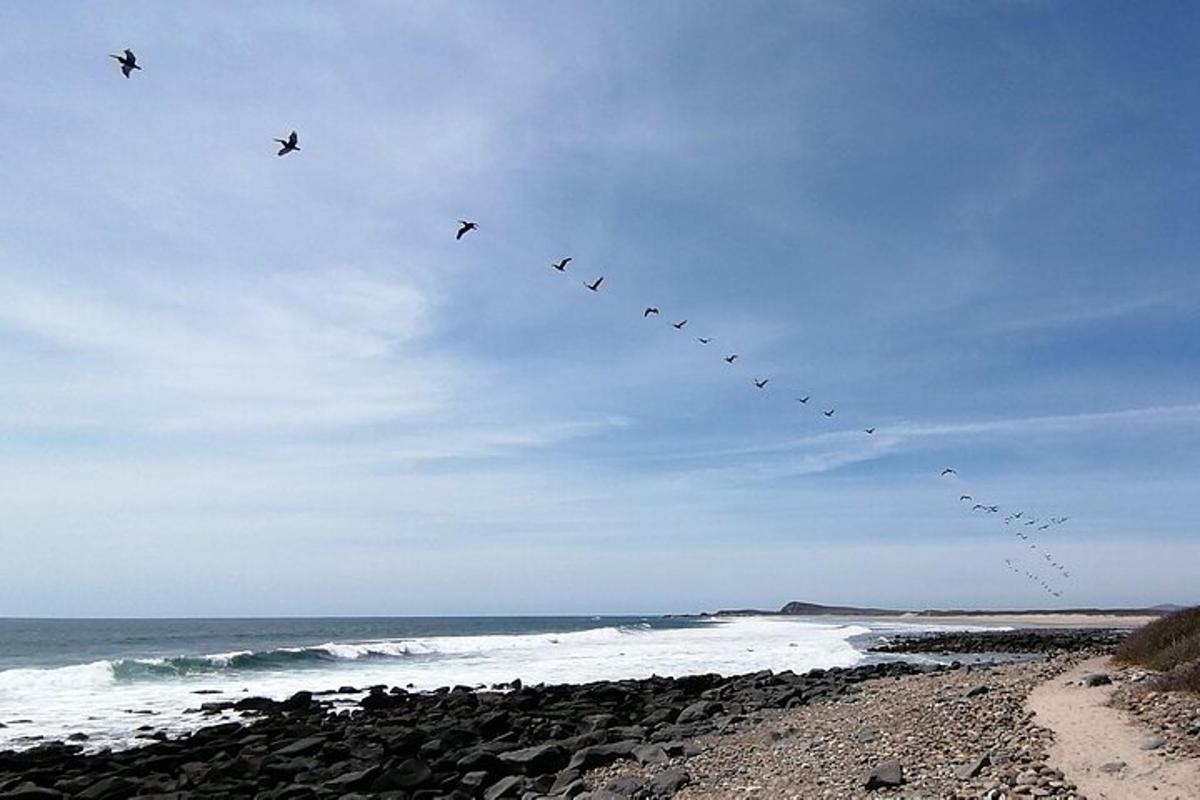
(293, 138)
(129, 54)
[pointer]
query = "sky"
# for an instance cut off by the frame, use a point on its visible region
(238, 384)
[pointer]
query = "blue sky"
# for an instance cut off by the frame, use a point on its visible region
(239, 384)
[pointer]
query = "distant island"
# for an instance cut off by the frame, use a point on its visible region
(798, 608)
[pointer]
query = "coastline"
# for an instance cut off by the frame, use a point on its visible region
(462, 743)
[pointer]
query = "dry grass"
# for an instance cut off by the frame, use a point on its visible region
(1170, 645)
(1181, 679)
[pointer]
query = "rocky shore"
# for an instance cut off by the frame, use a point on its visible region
(1025, 640)
(636, 738)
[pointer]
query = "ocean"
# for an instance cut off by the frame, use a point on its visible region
(117, 680)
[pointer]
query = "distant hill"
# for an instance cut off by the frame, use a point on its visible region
(798, 608)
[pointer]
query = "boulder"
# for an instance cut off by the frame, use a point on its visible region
(1096, 679)
(410, 774)
(886, 775)
(973, 768)
(650, 754)
(537, 760)
(624, 786)
(698, 712)
(512, 786)
(601, 755)
(668, 782)
(31, 791)
(301, 747)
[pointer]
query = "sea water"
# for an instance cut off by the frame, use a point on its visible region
(115, 680)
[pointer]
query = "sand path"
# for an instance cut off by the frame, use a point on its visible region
(1089, 735)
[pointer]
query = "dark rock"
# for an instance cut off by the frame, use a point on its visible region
(352, 781)
(973, 768)
(601, 755)
(110, 788)
(302, 747)
(300, 701)
(537, 760)
(650, 754)
(481, 761)
(565, 779)
(31, 791)
(255, 704)
(410, 774)
(668, 782)
(885, 775)
(512, 786)
(866, 737)
(1096, 679)
(347, 690)
(697, 712)
(473, 782)
(624, 786)
(976, 691)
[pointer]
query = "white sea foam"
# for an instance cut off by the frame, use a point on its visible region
(101, 698)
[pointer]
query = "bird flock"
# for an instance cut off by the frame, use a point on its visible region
(1027, 528)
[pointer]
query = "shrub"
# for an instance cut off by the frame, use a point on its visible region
(1166, 643)
(1185, 678)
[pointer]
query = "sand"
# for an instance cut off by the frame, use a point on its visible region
(1041, 620)
(1089, 735)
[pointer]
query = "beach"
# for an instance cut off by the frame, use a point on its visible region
(963, 724)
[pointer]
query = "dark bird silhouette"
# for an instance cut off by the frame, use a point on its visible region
(977, 507)
(762, 383)
(467, 226)
(830, 412)
(292, 143)
(802, 399)
(965, 497)
(128, 62)
(870, 430)
(649, 311)
(595, 285)
(702, 340)
(949, 471)
(993, 509)
(562, 265)
(729, 359)
(679, 325)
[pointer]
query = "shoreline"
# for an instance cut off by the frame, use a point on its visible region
(459, 742)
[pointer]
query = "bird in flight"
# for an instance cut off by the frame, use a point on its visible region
(802, 399)
(977, 507)
(562, 265)
(830, 412)
(703, 340)
(679, 325)
(128, 62)
(729, 359)
(762, 383)
(289, 144)
(965, 497)
(649, 311)
(595, 285)
(948, 471)
(870, 430)
(467, 226)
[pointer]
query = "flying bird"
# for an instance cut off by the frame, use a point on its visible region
(562, 265)
(128, 62)
(702, 340)
(762, 383)
(965, 497)
(292, 143)
(869, 430)
(729, 359)
(802, 399)
(978, 507)
(595, 285)
(467, 225)
(949, 471)
(830, 412)
(679, 325)
(649, 311)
